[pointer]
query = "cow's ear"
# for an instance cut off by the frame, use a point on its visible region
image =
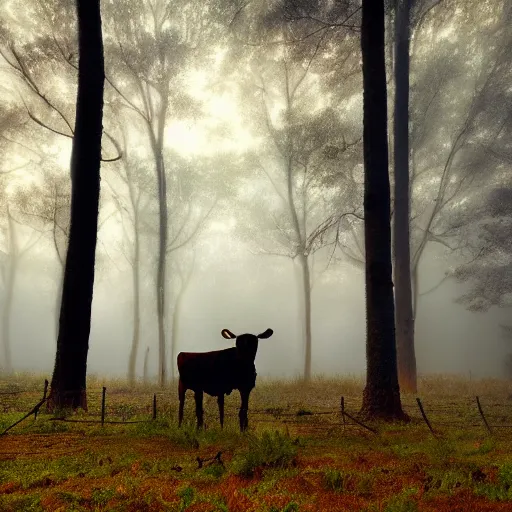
(266, 334)
(226, 333)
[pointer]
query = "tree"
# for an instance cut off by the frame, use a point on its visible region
(404, 316)
(306, 152)
(381, 396)
(68, 386)
(9, 263)
(131, 209)
(147, 55)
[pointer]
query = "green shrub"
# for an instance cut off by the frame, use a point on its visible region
(187, 495)
(25, 503)
(335, 480)
(501, 491)
(271, 450)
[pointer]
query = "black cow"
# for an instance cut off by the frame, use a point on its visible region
(219, 372)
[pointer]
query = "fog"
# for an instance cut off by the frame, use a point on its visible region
(249, 294)
(261, 152)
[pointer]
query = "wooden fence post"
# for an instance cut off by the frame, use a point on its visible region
(425, 417)
(104, 392)
(343, 411)
(483, 416)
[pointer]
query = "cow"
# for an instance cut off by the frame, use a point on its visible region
(218, 373)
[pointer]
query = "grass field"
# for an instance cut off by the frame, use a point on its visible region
(297, 456)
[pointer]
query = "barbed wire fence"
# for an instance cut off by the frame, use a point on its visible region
(492, 416)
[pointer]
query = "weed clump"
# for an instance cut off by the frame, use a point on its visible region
(187, 495)
(335, 480)
(500, 491)
(271, 450)
(403, 502)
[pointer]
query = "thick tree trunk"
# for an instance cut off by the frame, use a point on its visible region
(68, 387)
(404, 317)
(58, 300)
(415, 292)
(381, 396)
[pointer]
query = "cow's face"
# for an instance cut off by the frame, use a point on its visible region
(247, 344)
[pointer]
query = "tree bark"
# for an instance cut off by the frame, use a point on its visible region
(381, 396)
(404, 317)
(68, 387)
(58, 299)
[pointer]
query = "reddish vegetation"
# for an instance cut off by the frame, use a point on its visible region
(371, 478)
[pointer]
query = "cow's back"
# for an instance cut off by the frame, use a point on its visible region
(215, 373)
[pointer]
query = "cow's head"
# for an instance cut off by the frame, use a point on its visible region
(247, 344)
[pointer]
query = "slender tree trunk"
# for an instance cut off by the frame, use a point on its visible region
(404, 318)
(68, 387)
(136, 303)
(176, 314)
(162, 253)
(306, 290)
(381, 396)
(12, 263)
(145, 369)
(157, 141)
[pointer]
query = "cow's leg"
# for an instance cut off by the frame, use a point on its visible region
(244, 408)
(181, 394)
(199, 408)
(220, 402)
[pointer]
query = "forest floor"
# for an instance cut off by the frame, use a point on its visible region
(297, 456)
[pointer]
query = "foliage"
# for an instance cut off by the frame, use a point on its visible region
(335, 480)
(270, 450)
(403, 502)
(500, 491)
(153, 465)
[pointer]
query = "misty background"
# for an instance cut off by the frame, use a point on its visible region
(213, 79)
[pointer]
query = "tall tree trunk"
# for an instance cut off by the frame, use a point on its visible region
(402, 253)
(185, 278)
(12, 263)
(132, 363)
(162, 254)
(381, 396)
(176, 315)
(68, 387)
(145, 368)
(157, 143)
(306, 290)
(415, 292)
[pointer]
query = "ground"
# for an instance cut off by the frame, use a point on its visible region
(297, 456)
